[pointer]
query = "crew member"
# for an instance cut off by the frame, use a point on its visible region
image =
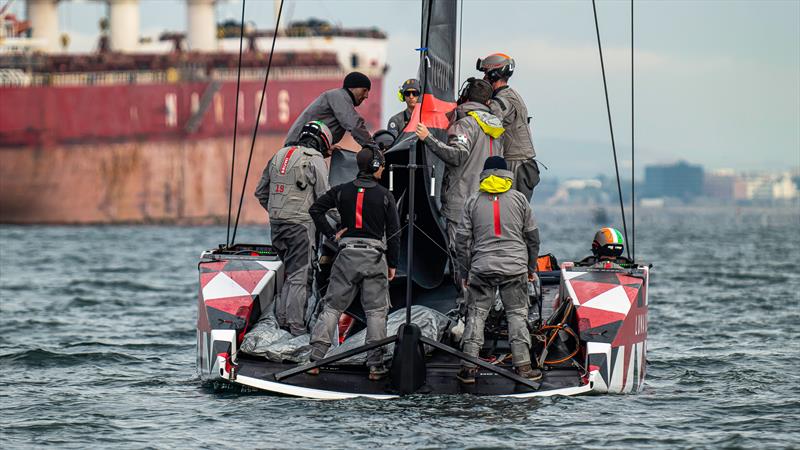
(507, 104)
(369, 218)
(607, 248)
(471, 139)
(328, 249)
(336, 109)
(409, 93)
(497, 244)
(293, 179)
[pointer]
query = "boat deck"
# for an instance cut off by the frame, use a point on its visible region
(441, 378)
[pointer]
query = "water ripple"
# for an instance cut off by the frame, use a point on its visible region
(99, 352)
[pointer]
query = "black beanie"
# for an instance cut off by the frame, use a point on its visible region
(495, 162)
(356, 80)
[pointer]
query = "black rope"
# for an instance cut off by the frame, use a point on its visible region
(633, 156)
(258, 117)
(611, 127)
(235, 125)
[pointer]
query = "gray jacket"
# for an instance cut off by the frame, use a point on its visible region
(293, 179)
(498, 233)
(467, 148)
(507, 104)
(336, 109)
(398, 122)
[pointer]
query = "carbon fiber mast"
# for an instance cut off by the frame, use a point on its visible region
(437, 63)
(408, 365)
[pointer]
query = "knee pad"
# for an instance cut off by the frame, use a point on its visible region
(377, 312)
(475, 312)
(519, 312)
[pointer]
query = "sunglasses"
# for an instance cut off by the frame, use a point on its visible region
(410, 93)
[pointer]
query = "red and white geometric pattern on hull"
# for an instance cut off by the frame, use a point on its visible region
(232, 295)
(230, 287)
(611, 311)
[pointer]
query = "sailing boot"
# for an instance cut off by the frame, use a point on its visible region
(317, 352)
(377, 372)
(467, 375)
(529, 373)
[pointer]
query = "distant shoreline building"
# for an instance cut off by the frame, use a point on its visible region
(677, 185)
(688, 183)
(724, 184)
(680, 180)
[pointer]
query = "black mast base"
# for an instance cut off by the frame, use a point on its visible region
(408, 363)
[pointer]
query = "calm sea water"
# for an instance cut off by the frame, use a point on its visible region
(97, 348)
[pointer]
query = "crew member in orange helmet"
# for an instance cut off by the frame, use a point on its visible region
(508, 106)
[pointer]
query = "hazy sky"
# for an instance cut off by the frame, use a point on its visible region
(717, 82)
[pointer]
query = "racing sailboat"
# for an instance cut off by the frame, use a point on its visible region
(590, 327)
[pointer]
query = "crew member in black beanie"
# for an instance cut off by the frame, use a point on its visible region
(355, 80)
(336, 109)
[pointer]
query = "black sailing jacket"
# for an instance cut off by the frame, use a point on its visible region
(367, 209)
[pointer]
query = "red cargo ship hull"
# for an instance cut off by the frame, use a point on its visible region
(143, 153)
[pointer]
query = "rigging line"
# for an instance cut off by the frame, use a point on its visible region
(611, 127)
(258, 121)
(460, 266)
(235, 125)
(633, 155)
(399, 230)
(460, 33)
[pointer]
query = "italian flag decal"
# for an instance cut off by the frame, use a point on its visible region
(359, 206)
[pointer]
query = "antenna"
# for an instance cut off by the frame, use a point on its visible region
(235, 125)
(258, 122)
(611, 128)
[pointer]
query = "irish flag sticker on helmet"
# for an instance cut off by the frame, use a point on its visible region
(609, 239)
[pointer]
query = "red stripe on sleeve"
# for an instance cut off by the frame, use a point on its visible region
(286, 159)
(497, 226)
(359, 206)
(491, 141)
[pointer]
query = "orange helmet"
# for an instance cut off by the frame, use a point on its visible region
(496, 66)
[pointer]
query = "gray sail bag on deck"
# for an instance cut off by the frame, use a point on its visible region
(431, 323)
(266, 339)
